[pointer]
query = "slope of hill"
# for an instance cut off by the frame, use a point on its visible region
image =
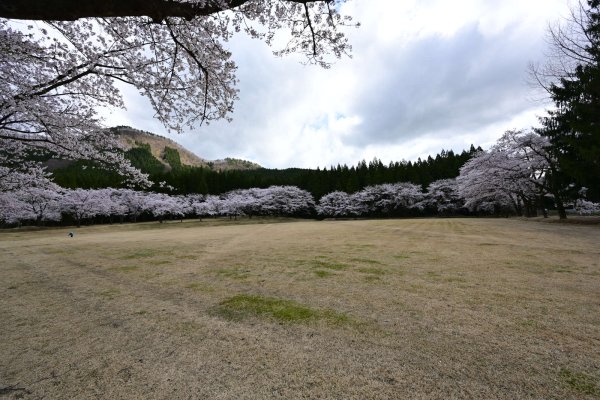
(159, 147)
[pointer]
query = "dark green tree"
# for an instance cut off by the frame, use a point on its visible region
(572, 78)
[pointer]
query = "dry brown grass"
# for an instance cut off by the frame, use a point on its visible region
(424, 308)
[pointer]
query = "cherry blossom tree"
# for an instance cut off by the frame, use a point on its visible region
(208, 207)
(514, 174)
(59, 63)
(443, 197)
(335, 204)
(586, 207)
(133, 202)
(82, 203)
(485, 187)
(161, 205)
(273, 201)
(388, 199)
(187, 202)
(253, 201)
(112, 206)
(379, 200)
(16, 173)
(13, 210)
(286, 201)
(41, 203)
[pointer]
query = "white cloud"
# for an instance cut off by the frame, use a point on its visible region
(426, 75)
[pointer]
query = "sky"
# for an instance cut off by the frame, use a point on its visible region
(425, 75)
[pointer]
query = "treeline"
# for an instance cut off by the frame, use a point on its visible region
(516, 176)
(447, 197)
(182, 179)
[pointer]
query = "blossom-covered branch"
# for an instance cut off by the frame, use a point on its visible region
(57, 71)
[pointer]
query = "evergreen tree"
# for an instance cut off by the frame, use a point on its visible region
(574, 126)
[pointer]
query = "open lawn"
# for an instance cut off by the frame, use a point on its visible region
(384, 309)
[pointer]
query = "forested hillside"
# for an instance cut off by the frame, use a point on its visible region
(162, 148)
(185, 179)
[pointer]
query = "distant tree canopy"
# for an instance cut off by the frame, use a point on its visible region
(185, 179)
(171, 156)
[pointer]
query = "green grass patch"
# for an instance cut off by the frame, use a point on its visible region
(233, 273)
(159, 262)
(454, 279)
(244, 306)
(361, 246)
(529, 324)
(337, 266)
(143, 253)
(560, 268)
(373, 271)
(186, 327)
(109, 293)
(126, 268)
(322, 273)
(439, 277)
(200, 287)
(540, 268)
(415, 288)
(580, 382)
(366, 261)
(401, 256)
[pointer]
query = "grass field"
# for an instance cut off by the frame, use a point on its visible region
(387, 309)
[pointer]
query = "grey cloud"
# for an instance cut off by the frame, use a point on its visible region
(436, 87)
(439, 84)
(267, 88)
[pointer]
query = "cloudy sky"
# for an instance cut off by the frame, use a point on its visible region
(425, 75)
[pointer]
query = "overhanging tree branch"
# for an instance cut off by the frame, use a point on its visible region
(158, 10)
(55, 73)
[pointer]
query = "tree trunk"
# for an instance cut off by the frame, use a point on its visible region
(542, 206)
(530, 208)
(562, 213)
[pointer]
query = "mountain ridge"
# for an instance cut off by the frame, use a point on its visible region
(131, 137)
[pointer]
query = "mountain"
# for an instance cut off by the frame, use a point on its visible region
(162, 149)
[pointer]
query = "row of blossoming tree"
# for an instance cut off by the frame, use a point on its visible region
(38, 205)
(514, 177)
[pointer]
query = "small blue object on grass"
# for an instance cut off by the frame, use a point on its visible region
(71, 234)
